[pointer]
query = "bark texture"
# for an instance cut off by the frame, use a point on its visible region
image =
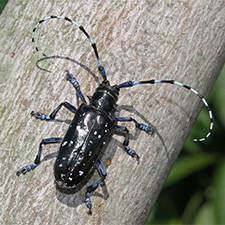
(181, 40)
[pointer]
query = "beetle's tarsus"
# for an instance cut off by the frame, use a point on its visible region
(26, 169)
(40, 116)
(145, 128)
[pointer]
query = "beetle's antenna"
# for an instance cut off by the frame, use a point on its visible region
(132, 83)
(100, 67)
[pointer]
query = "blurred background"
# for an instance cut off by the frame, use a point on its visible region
(195, 189)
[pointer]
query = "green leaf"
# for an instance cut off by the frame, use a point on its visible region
(205, 215)
(219, 198)
(188, 165)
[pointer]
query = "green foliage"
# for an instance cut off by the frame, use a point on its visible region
(195, 189)
(2, 5)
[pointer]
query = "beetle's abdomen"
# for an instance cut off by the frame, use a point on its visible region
(81, 146)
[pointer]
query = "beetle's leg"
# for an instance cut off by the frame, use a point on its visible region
(140, 126)
(93, 187)
(76, 85)
(38, 157)
(41, 116)
(126, 142)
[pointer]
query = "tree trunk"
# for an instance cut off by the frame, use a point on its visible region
(137, 40)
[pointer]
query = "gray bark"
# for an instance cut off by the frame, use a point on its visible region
(180, 40)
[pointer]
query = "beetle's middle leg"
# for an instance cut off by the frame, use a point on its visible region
(37, 160)
(140, 126)
(126, 142)
(93, 187)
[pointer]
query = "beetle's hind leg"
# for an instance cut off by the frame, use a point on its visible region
(52, 116)
(93, 187)
(129, 151)
(37, 160)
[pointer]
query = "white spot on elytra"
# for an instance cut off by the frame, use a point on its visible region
(64, 143)
(70, 178)
(60, 165)
(95, 133)
(71, 142)
(90, 153)
(99, 136)
(80, 173)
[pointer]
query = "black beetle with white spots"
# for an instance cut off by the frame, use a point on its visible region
(92, 126)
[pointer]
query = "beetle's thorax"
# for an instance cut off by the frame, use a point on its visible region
(105, 97)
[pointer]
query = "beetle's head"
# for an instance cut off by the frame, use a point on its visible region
(105, 97)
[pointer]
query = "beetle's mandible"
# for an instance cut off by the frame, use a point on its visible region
(92, 126)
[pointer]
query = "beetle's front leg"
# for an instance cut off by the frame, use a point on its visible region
(93, 187)
(140, 126)
(76, 85)
(129, 151)
(37, 160)
(52, 116)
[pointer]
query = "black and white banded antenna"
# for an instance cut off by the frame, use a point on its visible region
(132, 83)
(100, 67)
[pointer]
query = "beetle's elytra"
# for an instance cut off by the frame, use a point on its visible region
(92, 127)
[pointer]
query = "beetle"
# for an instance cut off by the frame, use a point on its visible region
(92, 126)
